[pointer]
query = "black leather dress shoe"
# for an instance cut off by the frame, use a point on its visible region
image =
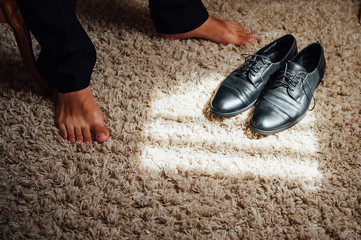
(289, 94)
(242, 88)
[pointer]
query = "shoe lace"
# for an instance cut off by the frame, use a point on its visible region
(290, 81)
(251, 66)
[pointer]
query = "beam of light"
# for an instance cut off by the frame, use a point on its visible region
(181, 138)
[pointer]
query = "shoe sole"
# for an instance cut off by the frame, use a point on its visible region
(231, 114)
(277, 130)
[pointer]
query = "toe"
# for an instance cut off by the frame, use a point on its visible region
(87, 136)
(71, 135)
(237, 37)
(251, 39)
(62, 131)
(78, 134)
(245, 37)
(101, 134)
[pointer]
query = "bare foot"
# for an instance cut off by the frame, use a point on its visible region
(217, 30)
(78, 117)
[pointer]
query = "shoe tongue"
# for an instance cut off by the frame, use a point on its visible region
(295, 67)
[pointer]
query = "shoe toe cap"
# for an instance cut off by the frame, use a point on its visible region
(223, 101)
(266, 119)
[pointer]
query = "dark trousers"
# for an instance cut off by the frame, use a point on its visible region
(177, 16)
(67, 54)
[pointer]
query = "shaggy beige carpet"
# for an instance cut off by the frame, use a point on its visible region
(171, 170)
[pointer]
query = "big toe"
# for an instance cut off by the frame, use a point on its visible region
(101, 134)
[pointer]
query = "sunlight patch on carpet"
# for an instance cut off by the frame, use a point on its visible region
(180, 137)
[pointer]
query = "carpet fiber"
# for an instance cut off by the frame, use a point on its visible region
(171, 170)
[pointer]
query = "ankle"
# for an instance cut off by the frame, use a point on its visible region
(80, 96)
